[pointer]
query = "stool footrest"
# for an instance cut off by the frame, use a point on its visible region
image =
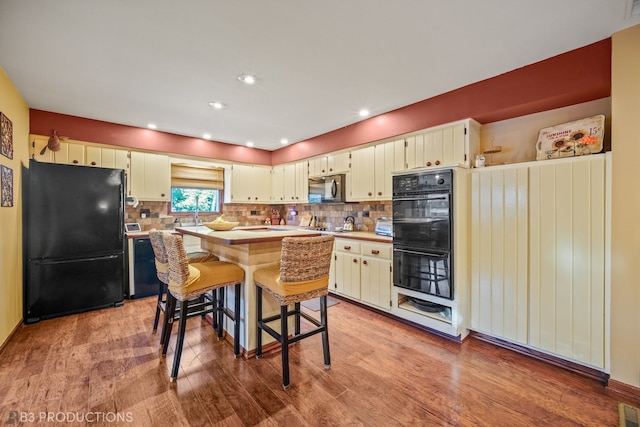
(262, 324)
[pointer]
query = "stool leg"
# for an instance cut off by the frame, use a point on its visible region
(158, 305)
(219, 311)
(258, 320)
(214, 319)
(284, 343)
(169, 314)
(236, 321)
(297, 319)
(325, 332)
(182, 326)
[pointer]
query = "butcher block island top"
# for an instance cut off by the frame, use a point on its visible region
(245, 235)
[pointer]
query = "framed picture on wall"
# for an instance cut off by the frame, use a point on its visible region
(6, 136)
(6, 195)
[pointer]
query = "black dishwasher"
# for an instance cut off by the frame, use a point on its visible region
(144, 280)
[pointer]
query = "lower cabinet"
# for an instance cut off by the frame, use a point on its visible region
(376, 274)
(538, 255)
(362, 271)
(346, 276)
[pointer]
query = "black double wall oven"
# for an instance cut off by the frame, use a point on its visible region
(422, 232)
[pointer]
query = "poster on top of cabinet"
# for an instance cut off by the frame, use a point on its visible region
(575, 138)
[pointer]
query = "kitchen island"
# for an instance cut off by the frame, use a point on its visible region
(251, 248)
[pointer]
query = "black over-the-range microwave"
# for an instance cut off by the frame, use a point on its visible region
(327, 189)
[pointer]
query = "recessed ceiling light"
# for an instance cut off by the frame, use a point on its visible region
(248, 79)
(363, 113)
(152, 126)
(249, 144)
(217, 105)
(206, 136)
(284, 141)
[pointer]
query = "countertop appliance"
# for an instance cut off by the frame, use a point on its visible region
(73, 238)
(422, 205)
(327, 189)
(384, 227)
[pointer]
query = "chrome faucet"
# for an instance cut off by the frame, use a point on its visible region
(195, 214)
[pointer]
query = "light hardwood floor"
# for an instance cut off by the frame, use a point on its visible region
(383, 373)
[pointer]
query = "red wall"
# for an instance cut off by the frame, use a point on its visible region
(81, 129)
(573, 77)
(577, 76)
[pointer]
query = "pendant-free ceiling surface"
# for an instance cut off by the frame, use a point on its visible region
(317, 63)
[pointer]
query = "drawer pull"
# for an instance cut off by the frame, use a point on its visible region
(347, 248)
(375, 251)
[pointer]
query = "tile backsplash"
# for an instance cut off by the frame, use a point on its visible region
(329, 215)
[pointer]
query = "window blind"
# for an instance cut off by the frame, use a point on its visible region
(197, 177)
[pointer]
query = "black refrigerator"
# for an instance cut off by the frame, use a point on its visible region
(74, 239)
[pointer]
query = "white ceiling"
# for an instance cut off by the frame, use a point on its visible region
(139, 61)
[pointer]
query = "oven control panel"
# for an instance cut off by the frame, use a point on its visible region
(422, 182)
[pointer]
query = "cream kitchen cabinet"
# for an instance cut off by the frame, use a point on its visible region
(371, 170)
(376, 274)
(362, 271)
(250, 184)
(568, 273)
(450, 144)
(346, 277)
(107, 157)
(499, 256)
(539, 255)
(362, 179)
(150, 177)
(302, 182)
(290, 183)
(69, 153)
(331, 164)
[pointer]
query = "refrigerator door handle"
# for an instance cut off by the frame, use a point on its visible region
(122, 203)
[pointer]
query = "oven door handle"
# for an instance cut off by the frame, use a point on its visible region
(416, 252)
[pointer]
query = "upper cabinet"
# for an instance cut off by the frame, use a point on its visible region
(451, 144)
(250, 184)
(371, 169)
(150, 177)
(69, 153)
(289, 183)
(330, 164)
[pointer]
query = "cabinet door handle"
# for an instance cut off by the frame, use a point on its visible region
(437, 162)
(93, 163)
(162, 195)
(75, 162)
(428, 163)
(369, 193)
(375, 251)
(365, 262)
(355, 261)
(379, 193)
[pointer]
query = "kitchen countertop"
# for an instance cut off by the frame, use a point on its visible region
(272, 233)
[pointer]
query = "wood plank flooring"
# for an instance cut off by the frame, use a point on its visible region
(383, 373)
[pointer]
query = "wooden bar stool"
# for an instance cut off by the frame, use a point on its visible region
(162, 271)
(303, 274)
(190, 280)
